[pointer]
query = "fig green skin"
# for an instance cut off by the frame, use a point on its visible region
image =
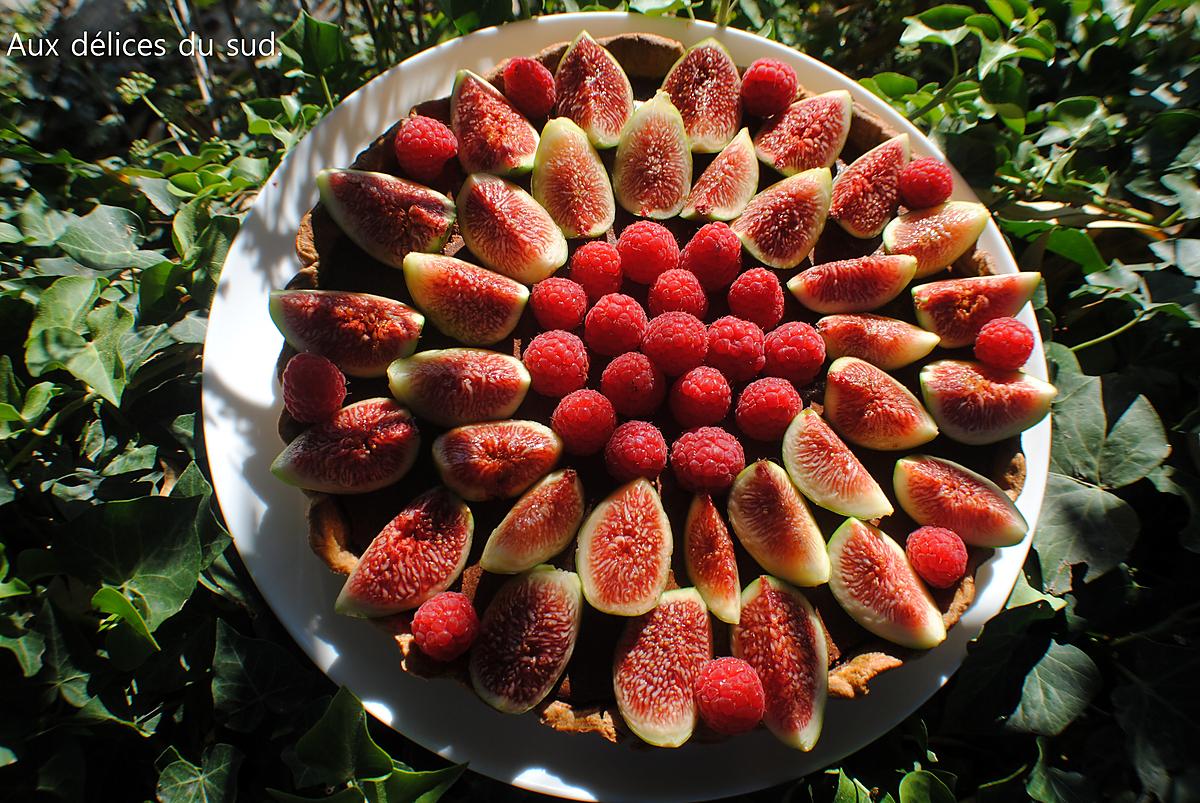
(457, 476)
(989, 394)
(511, 162)
(529, 267)
(536, 658)
(897, 271)
(630, 166)
(676, 669)
(721, 594)
(921, 431)
(533, 531)
(985, 515)
(582, 110)
(808, 435)
(739, 152)
(480, 372)
(888, 192)
(956, 225)
(793, 549)
(769, 157)
(682, 90)
(558, 134)
(926, 631)
(886, 343)
(484, 308)
(1005, 293)
(814, 187)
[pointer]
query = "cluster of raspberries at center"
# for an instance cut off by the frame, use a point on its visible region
(672, 357)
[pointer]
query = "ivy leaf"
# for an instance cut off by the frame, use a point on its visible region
(66, 304)
(1170, 480)
(921, 786)
(407, 786)
(339, 747)
(111, 601)
(40, 225)
(59, 348)
(849, 790)
(214, 781)
(1057, 690)
(26, 645)
(1135, 446)
(107, 238)
(1081, 524)
(252, 677)
(1048, 784)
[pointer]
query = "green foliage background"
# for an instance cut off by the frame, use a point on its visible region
(137, 661)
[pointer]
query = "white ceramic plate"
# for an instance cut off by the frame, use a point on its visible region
(266, 517)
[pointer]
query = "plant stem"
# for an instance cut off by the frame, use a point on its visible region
(1119, 330)
(325, 89)
(940, 96)
(39, 434)
(724, 12)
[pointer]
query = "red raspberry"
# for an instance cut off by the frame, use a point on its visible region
(714, 254)
(636, 449)
(729, 695)
(795, 352)
(633, 385)
(757, 296)
(707, 459)
(677, 290)
(700, 397)
(558, 303)
(584, 419)
(529, 86)
(938, 555)
(735, 348)
(647, 249)
(768, 87)
(925, 182)
(676, 342)
(615, 325)
(557, 363)
(1004, 343)
(423, 146)
(596, 266)
(445, 626)
(766, 407)
(313, 388)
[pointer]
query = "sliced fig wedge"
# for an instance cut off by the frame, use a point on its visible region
(593, 91)
(358, 332)
(493, 137)
(936, 236)
(866, 193)
(658, 658)
(827, 472)
(451, 387)
(727, 184)
(810, 133)
(367, 446)
(874, 583)
(473, 305)
(870, 408)
(653, 169)
(497, 459)
(570, 181)
(711, 563)
(509, 231)
(418, 555)
(886, 343)
(386, 216)
(539, 526)
(781, 636)
(526, 638)
(976, 405)
(624, 551)
(956, 309)
(706, 88)
(942, 493)
(781, 224)
(853, 285)
(775, 525)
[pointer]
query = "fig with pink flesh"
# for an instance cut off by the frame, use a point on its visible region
(386, 216)
(473, 305)
(496, 459)
(727, 184)
(624, 551)
(781, 636)
(526, 637)
(706, 88)
(711, 563)
(865, 194)
(810, 133)
(451, 387)
(869, 408)
(956, 309)
(652, 172)
(874, 583)
(418, 555)
(367, 445)
(593, 91)
(936, 236)
(853, 285)
(975, 404)
(493, 137)
(886, 343)
(775, 526)
(570, 181)
(658, 658)
(941, 493)
(539, 526)
(358, 332)
(827, 472)
(509, 231)
(781, 224)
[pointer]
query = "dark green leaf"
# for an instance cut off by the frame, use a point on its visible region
(1048, 784)
(252, 677)
(1135, 446)
(107, 238)
(66, 303)
(921, 786)
(1057, 690)
(111, 601)
(849, 790)
(1170, 480)
(406, 786)
(1081, 525)
(214, 781)
(339, 747)
(25, 644)
(41, 225)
